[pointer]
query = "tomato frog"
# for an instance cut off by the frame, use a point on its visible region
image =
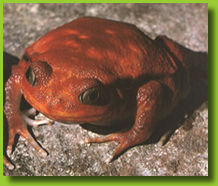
(101, 72)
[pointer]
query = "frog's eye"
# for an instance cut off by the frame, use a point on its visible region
(31, 77)
(93, 96)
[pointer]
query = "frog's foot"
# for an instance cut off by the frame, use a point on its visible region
(34, 123)
(123, 138)
(9, 165)
(18, 126)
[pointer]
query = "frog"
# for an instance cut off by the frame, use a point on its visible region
(102, 72)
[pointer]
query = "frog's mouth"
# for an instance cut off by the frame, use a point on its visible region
(81, 117)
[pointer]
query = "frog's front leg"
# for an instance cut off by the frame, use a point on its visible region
(16, 123)
(151, 107)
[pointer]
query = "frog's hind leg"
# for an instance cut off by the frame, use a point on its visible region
(16, 123)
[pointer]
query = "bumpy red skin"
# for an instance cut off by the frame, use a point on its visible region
(144, 78)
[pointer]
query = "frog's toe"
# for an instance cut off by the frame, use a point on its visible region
(11, 137)
(165, 138)
(35, 123)
(9, 165)
(111, 137)
(119, 150)
(122, 138)
(26, 135)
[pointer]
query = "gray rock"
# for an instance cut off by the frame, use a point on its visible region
(186, 152)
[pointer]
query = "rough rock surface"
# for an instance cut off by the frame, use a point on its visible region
(186, 151)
